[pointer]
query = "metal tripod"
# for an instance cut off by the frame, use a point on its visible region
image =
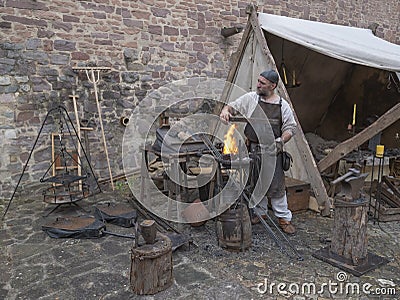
(63, 114)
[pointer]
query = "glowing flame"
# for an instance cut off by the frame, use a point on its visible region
(230, 146)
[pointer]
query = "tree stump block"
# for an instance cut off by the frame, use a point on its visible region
(151, 266)
(349, 236)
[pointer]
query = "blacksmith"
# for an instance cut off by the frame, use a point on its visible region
(266, 103)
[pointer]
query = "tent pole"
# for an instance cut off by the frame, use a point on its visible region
(299, 139)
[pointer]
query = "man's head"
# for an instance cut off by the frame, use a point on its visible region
(271, 75)
(267, 82)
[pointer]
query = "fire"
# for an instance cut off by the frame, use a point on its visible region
(230, 146)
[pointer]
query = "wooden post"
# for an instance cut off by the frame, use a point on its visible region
(349, 236)
(78, 129)
(149, 231)
(341, 150)
(151, 268)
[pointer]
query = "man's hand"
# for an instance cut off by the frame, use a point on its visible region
(279, 145)
(225, 114)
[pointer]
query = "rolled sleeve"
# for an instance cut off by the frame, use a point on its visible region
(245, 104)
(288, 121)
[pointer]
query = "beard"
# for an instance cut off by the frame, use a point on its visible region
(263, 93)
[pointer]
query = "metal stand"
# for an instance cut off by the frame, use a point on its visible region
(65, 179)
(377, 205)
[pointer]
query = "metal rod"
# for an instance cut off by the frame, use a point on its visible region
(119, 234)
(210, 145)
(379, 187)
(370, 189)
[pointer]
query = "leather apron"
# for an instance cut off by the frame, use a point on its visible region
(274, 115)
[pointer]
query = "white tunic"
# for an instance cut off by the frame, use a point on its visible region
(247, 103)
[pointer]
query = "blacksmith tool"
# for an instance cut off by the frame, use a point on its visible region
(94, 79)
(351, 184)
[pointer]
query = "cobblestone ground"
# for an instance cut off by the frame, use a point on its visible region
(36, 266)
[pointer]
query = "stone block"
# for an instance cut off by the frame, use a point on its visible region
(24, 116)
(46, 71)
(63, 26)
(133, 23)
(45, 33)
(64, 45)
(6, 25)
(99, 15)
(41, 155)
(131, 54)
(22, 79)
(59, 59)
(160, 12)
(135, 67)
(155, 29)
(79, 56)
(5, 80)
(27, 4)
(25, 67)
(11, 89)
(33, 44)
(25, 21)
(39, 56)
(168, 46)
(40, 85)
(69, 18)
(168, 30)
(10, 134)
(142, 15)
(5, 69)
(130, 77)
(103, 42)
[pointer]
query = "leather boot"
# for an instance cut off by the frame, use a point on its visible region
(255, 219)
(286, 226)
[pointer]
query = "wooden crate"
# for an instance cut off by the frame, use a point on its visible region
(298, 194)
(385, 214)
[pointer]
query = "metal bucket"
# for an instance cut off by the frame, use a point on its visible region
(234, 229)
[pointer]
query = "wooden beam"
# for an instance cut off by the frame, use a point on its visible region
(301, 143)
(237, 58)
(341, 150)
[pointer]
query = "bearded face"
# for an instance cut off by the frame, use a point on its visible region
(265, 88)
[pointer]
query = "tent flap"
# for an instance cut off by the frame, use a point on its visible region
(351, 44)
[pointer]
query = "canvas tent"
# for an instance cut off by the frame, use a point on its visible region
(328, 69)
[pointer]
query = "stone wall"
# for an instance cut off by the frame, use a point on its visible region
(146, 44)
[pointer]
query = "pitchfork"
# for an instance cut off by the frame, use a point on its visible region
(90, 74)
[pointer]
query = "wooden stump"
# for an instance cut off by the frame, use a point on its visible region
(349, 236)
(151, 267)
(149, 231)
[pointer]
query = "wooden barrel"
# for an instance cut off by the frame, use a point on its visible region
(151, 267)
(234, 229)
